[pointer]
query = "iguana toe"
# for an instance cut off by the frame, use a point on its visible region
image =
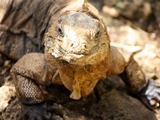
(152, 93)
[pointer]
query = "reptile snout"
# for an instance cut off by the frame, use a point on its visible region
(76, 36)
(79, 48)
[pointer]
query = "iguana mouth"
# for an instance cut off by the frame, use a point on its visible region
(80, 53)
(77, 57)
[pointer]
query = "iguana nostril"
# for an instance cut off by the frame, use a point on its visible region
(72, 45)
(85, 46)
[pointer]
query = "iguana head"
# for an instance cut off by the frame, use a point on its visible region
(76, 37)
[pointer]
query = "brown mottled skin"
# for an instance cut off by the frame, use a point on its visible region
(77, 55)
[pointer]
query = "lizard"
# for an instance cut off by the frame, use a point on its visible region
(77, 55)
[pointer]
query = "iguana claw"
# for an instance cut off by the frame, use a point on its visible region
(152, 93)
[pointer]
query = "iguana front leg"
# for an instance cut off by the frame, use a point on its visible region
(147, 90)
(28, 91)
(30, 74)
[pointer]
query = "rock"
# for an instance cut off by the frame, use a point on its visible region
(149, 59)
(116, 105)
(111, 11)
(133, 39)
(109, 101)
(126, 34)
(7, 91)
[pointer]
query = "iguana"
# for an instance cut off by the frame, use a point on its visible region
(77, 52)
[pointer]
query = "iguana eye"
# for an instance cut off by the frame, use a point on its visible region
(59, 31)
(98, 33)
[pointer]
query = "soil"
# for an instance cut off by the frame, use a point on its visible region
(109, 101)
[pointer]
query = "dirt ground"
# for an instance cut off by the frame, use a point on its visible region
(133, 26)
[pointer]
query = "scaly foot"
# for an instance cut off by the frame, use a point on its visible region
(152, 93)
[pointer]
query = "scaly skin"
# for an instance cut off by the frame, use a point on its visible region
(77, 55)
